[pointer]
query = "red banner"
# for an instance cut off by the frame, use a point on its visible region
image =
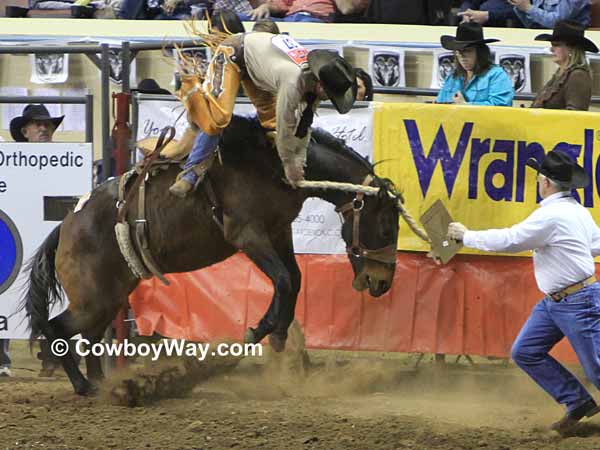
(475, 305)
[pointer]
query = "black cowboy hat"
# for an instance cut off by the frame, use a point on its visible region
(150, 86)
(31, 112)
(468, 34)
(337, 77)
(571, 33)
(560, 168)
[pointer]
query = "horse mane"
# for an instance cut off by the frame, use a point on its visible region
(323, 137)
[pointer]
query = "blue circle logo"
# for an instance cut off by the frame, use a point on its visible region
(11, 252)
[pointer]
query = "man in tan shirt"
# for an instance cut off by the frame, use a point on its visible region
(284, 82)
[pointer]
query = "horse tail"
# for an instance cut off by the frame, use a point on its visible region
(44, 289)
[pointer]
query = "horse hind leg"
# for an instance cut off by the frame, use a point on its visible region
(58, 331)
(93, 363)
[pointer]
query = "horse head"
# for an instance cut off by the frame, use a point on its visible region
(370, 230)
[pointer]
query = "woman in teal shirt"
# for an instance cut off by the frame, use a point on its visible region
(476, 80)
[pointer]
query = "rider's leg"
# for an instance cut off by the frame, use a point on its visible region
(196, 165)
(210, 107)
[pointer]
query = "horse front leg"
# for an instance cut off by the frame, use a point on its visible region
(255, 243)
(284, 246)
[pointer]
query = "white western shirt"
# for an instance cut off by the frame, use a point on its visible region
(562, 234)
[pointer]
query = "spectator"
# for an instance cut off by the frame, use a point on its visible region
(475, 80)
(35, 125)
(4, 358)
(493, 13)
(365, 86)
(546, 13)
(245, 9)
(571, 85)
(313, 10)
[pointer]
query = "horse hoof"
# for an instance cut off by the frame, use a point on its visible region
(86, 390)
(250, 336)
(276, 343)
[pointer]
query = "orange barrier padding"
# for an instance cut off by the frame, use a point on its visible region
(475, 305)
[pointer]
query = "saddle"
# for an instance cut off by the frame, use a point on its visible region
(171, 150)
(143, 265)
(147, 266)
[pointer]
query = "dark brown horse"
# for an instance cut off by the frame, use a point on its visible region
(82, 254)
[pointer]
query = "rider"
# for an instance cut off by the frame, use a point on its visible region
(284, 82)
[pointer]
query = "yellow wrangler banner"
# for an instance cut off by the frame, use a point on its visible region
(473, 159)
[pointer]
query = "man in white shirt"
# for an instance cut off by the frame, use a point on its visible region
(564, 238)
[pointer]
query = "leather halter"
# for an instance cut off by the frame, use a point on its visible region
(385, 255)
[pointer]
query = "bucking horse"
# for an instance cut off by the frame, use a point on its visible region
(81, 257)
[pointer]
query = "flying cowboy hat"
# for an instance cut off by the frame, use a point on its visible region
(570, 33)
(560, 168)
(468, 34)
(31, 112)
(337, 77)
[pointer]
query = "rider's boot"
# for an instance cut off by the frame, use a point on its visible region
(197, 164)
(188, 180)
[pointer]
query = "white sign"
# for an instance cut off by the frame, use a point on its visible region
(49, 68)
(516, 64)
(30, 175)
(443, 66)
(317, 228)
(386, 66)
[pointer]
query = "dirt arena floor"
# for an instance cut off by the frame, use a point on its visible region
(344, 401)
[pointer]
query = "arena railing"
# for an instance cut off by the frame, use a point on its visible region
(426, 92)
(92, 50)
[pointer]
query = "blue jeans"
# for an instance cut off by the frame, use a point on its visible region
(4, 355)
(301, 17)
(578, 318)
(204, 146)
(132, 9)
(245, 17)
(500, 10)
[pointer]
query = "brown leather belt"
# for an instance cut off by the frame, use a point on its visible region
(569, 290)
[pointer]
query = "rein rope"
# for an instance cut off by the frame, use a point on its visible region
(367, 190)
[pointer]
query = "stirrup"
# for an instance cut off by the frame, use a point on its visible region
(200, 169)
